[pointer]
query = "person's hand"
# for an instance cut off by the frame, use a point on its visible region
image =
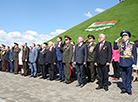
(74, 62)
(84, 63)
(11, 60)
(54, 63)
(85, 40)
(118, 39)
(107, 64)
(46, 63)
(133, 65)
(95, 64)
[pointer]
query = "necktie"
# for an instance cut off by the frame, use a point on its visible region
(101, 45)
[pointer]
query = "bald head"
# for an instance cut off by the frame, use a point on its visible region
(101, 37)
(80, 39)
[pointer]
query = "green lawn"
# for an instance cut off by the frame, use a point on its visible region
(126, 14)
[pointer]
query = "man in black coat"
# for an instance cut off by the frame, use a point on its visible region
(42, 60)
(51, 60)
(103, 55)
(80, 59)
(7, 59)
(25, 58)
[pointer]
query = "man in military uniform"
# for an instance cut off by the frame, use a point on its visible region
(128, 60)
(16, 58)
(3, 58)
(67, 58)
(90, 70)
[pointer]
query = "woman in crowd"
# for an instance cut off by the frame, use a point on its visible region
(135, 69)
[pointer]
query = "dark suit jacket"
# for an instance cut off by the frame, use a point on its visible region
(59, 53)
(51, 56)
(7, 55)
(25, 54)
(42, 57)
(81, 54)
(105, 55)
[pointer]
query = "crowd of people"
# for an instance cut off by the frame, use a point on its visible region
(65, 61)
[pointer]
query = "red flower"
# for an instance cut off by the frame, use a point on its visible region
(105, 47)
(79, 46)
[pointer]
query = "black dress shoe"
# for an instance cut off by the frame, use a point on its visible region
(106, 89)
(35, 76)
(61, 80)
(129, 93)
(58, 79)
(98, 88)
(122, 92)
(78, 85)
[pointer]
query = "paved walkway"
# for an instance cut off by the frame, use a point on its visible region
(16, 88)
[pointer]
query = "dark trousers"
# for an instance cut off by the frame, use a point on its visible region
(103, 75)
(7, 66)
(61, 70)
(80, 73)
(11, 66)
(90, 70)
(43, 70)
(126, 73)
(51, 70)
(0, 66)
(116, 69)
(25, 68)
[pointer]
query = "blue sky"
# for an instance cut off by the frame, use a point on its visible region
(40, 20)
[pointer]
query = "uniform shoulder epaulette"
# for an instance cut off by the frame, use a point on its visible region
(95, 43)
(131, 42)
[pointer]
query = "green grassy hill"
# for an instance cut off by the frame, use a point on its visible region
(126, 14)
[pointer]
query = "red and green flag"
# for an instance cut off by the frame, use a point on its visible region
(106, 23)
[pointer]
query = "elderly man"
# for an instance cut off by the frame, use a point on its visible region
(51, 60)
(33, 59)
(128, 60)
(42, 60)
(80, 59)
(25, 58)
(103, 55)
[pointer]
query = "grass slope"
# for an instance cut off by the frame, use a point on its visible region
(126, 14)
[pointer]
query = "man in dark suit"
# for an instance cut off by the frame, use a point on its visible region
(59, 55)
(11, 59)
(0, 59)
(25, 58)
(51, 60)
(7, 59)
(103, 55)
(42, 60)
(80, 59)
(33, 59)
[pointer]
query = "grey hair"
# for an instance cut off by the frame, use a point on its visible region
(80, 38)
(102, 35)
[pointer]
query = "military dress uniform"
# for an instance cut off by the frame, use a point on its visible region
(16, 59)
(67, 58)
(3, 62)
(128, 58)
(90, 70)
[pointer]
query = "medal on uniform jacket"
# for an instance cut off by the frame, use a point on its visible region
(91, 49)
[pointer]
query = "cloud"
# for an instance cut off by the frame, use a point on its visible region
(99, 10)
(57, 32)
(29, 36)
(88, 14)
